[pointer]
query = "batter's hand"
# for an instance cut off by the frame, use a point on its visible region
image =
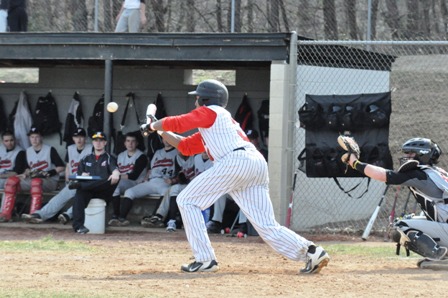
(146, 129)
(349, 144)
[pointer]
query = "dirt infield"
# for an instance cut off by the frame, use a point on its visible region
(146, 264)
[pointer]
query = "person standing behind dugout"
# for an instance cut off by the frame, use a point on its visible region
(17, 16)
(4, 6)
(98, 163)
(132, 16)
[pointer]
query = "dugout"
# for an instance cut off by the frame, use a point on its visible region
(266, 66)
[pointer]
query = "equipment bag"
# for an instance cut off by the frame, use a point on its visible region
(74, 120)
(97, 119)
(121, 137)
(244, 115)
(46, 116)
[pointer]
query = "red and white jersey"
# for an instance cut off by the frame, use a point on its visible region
(219, 134)
(126, 163)
(40, 160)
(187, 166)
(74, 157)
(200, 165)
(162, 163)
(7, 158)
(224, 136)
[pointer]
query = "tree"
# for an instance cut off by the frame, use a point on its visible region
(391, 17)
(273, 20)
(190, 16)
(330, 22)
(412, 18)
(444, 12)
(350, 18)
(159, 11)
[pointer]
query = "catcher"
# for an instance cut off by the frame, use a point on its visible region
(427, 236)
(42, 167)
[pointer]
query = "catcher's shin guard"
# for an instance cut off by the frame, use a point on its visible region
(36, 194)
(12, 186)
(424, 245)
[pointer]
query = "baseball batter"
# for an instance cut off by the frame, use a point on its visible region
(239, 169)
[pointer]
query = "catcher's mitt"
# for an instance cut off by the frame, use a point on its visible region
(39, 174)
(348, 144)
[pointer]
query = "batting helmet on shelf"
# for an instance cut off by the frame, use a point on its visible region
(211, 92)
(426, 151)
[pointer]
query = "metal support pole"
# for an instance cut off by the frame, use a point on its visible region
(108, 118)
(369, 22)
(232, 17)
(96, 16)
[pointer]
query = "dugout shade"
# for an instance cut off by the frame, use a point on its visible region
(324, 117)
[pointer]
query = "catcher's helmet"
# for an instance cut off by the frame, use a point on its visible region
(426, 151)
(211, 92)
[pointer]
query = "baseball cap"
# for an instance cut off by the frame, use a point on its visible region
(80, 132)
(34, 130)
(99, 135)
(252, 134)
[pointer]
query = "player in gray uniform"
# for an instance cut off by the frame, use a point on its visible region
(9, 152)
(132, 164)
(239, 170)
(184, 169)
(75, 153)
(427, 236)
(43, 165)
(162, 169)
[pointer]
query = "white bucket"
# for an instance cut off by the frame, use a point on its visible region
(95, 219)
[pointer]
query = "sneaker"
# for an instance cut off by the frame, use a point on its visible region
(317, 258)
(82, 230)
(213, 227)
(3, 218)
(63, 218)
(153, 222)
(114, 222)
(32, 218)
(73, 184)
(123, 222)
(210, 266)
(171, 226)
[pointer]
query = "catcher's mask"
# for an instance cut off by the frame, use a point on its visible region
(211, 92)
(426, 151)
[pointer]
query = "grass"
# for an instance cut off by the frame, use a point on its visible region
(376, 252)
(44, 244)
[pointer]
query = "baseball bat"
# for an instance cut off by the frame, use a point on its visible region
(289, 213)
(150, 111)
(392, 214)
(373, 217)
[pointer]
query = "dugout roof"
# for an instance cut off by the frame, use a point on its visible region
(216, 50)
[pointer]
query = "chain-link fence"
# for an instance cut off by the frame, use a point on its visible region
(317, 19)
(417, 81)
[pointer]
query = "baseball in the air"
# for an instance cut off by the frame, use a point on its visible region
(112, 107)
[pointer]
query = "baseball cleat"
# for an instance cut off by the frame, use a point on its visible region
(63, 218)
(209, 266)
(317, 259)
(32, 218)
(82, 230)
